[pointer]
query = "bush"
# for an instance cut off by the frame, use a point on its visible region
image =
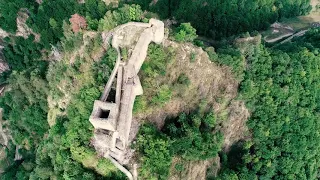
(154, 148)
(9, 11)
(183, 79)
(213, 56)
(140, 104)
(279, 89)
(72, 42)
(105, 167)
(193, 57)
(192, 136)
(163, 95)
(23, 54)
(156, 62)
(185, 33)
(233, 58)
(122, 15)
(219, 19)
(102, 69)
(27, 94)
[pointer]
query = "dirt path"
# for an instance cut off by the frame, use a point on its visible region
(278, 38)
(300, 33)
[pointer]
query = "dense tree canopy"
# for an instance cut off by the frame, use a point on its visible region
(220, 18)
(189, 136)
(280, 86)
(9, 12)
(31, 81)
(281, 89)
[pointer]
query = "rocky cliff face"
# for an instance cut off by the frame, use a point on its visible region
(3, 65)
(212, 85)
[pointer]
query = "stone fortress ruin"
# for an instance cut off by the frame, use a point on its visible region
(112, 113)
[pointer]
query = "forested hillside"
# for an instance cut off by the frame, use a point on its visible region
(281, 88)
(220, 18)
(59, 92)
(191, 91)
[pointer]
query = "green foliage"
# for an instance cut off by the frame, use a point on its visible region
(7, 162)
(67, 146)
(61, 151)
(179, 167)
(199, 43)
(124, 53)
(25, 107)
(152, 69)
(140, 104)
(154, 148)
(228, 175)
(106, 166)
(9, 11)
(188, 136)
(272, 74)
(163, 95)
(211, 53)
(47, 18)
(72, 42)
(95, 10)
(53, 23)
(41, 20)
(185, 33)
(193, 57)
(231, 57)
(183, 79)
(192, 137)
(280, 88)
(122, 15)
(135, 13)
(16, 171)
(156, 63)
(103, 67)
(23, 54)
(225, 18)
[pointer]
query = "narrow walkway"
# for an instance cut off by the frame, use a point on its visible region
(127, 90)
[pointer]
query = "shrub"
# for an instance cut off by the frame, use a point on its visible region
(212, 54)
(103, 68)
(72, 42)
(154, 148)
(193, 57)
(22, 55)
(185, 33)
(163, 95)
(122, 15)
(183, 79)
(105, 167)
(9, 11)
(192, 136)
(140, 104)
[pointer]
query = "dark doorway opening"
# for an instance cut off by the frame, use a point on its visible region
(104, 114)
(112, 95)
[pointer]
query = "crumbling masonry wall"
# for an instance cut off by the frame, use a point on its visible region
(112, 120)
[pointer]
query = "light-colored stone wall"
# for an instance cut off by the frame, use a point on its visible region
(138, 36)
